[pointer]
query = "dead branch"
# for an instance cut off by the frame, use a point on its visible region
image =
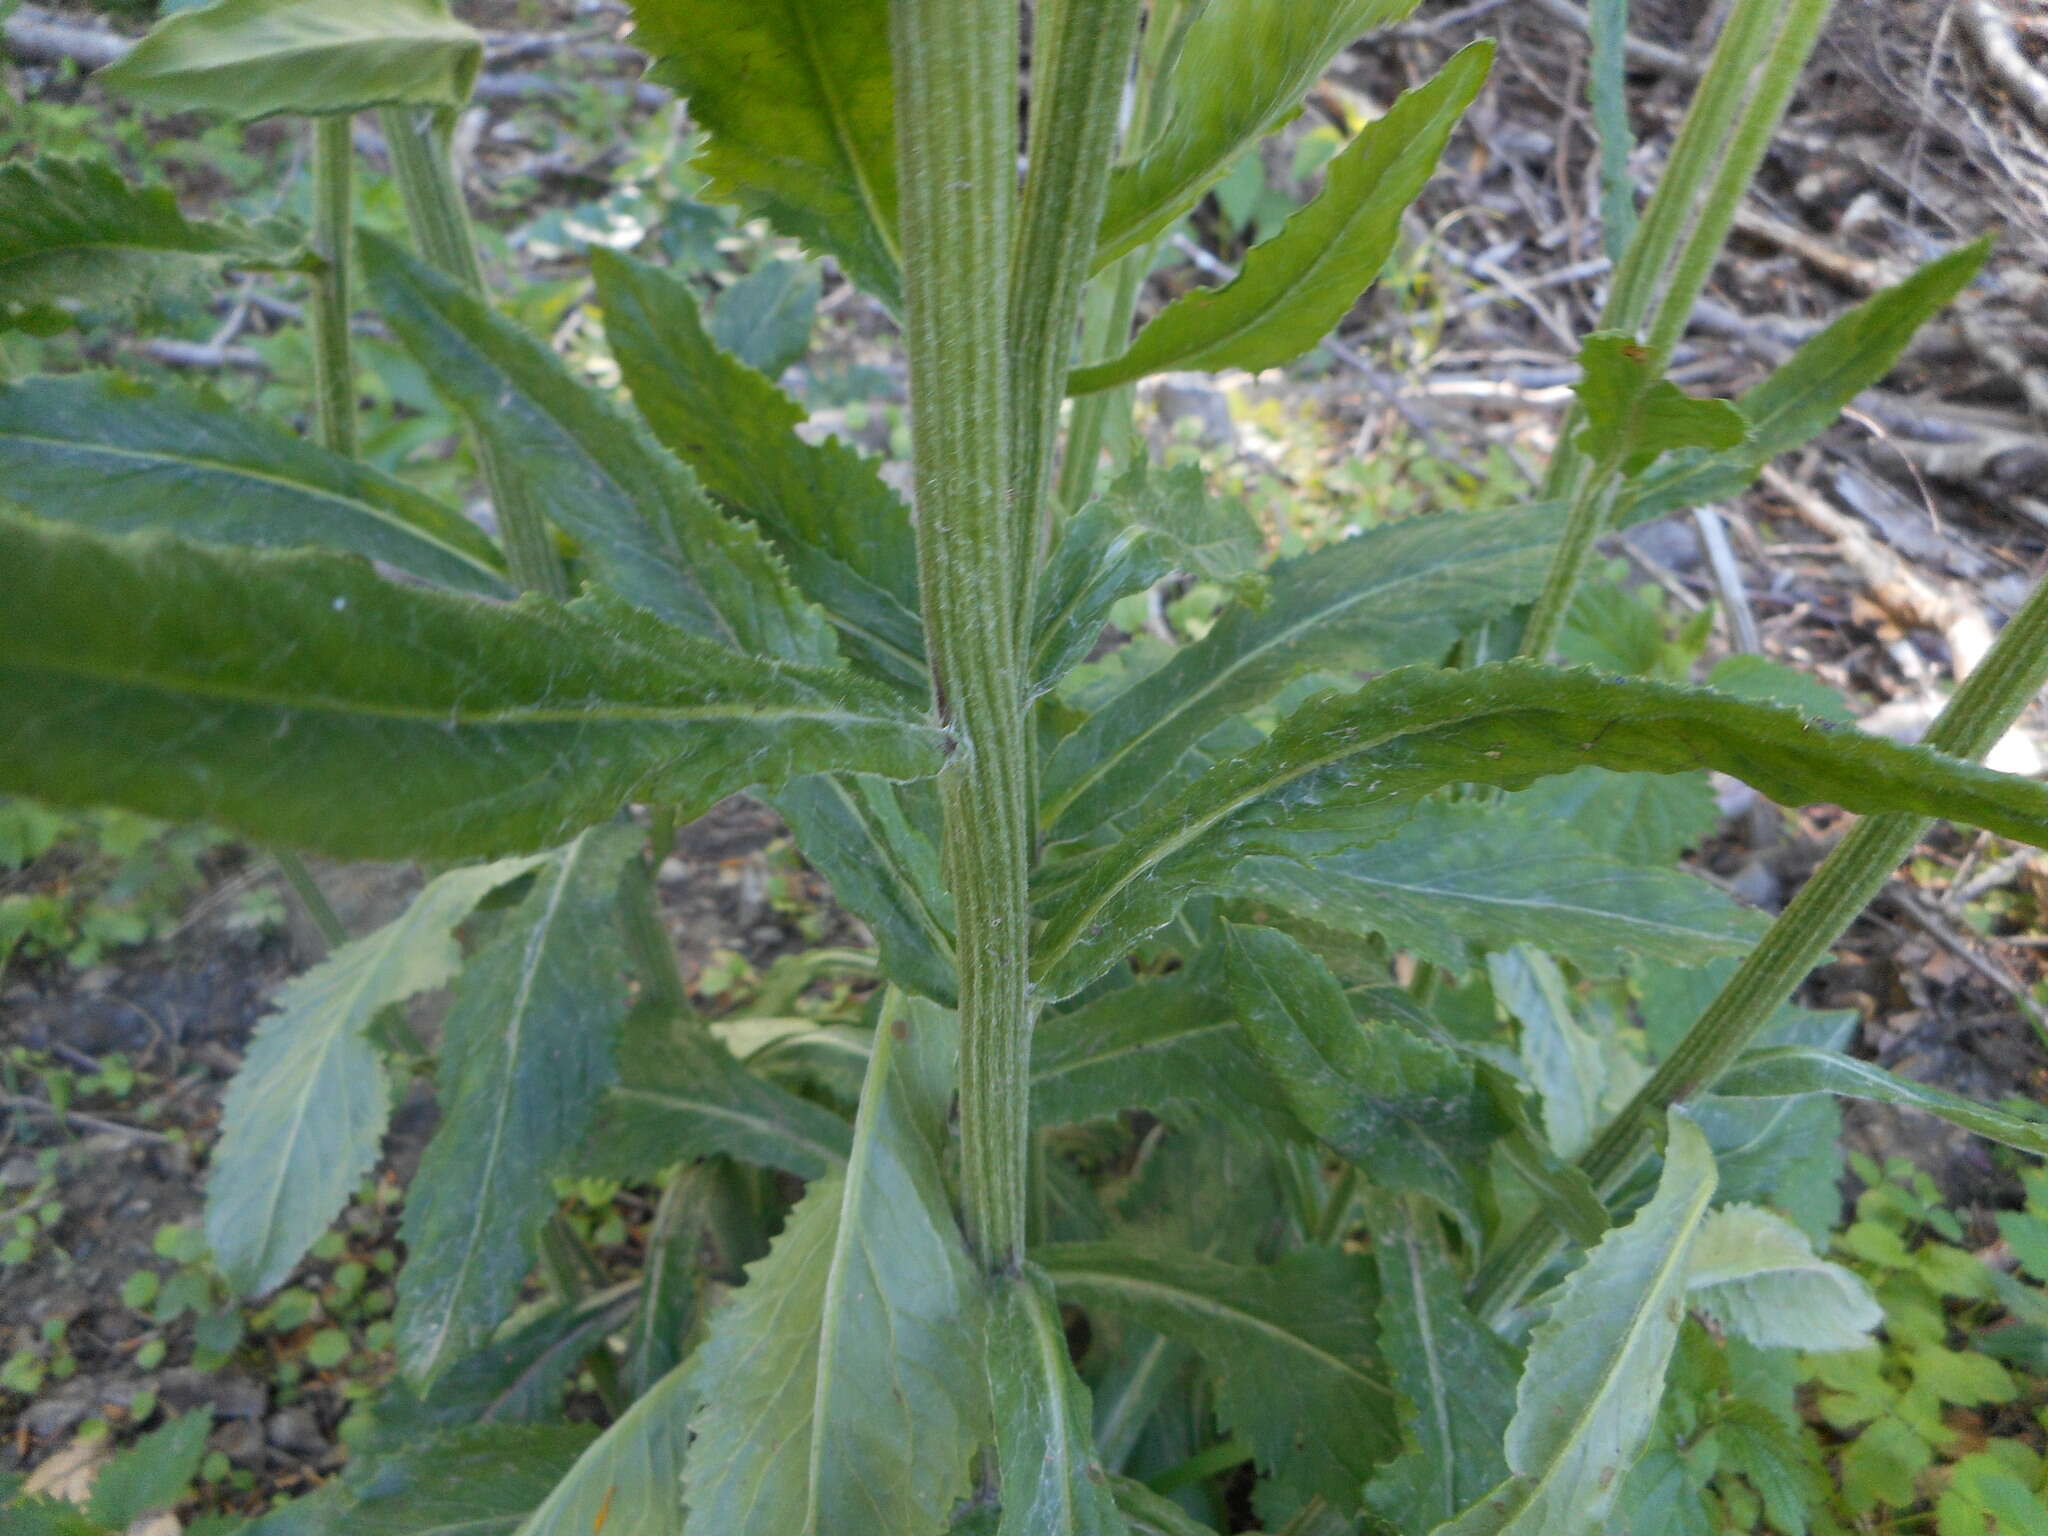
(1987, 28)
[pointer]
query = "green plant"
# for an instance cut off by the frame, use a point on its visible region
(1183, 879)
(78, 886)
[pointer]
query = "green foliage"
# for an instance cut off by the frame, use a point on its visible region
(797, 98)
(74, 231)
(82, 885)
(303, 1119)
(256, 58)
(1298, 285)
(1137, 1195)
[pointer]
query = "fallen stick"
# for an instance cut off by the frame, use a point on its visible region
(1985, 25)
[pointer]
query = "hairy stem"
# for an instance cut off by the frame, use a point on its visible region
(440, 224)
(1984, 707)
(955, 65)
(1757, 63)
(1081, 53)
(334, 393)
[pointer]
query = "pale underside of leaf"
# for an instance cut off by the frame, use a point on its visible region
(1052, 1484)
(1595, 1369)
(1793, 1070)
(1757, 1275)
(628, 1482)
(842, 1389)
(256, 58)
(302, 1119)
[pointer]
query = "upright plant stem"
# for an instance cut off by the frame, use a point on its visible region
(440, 224)
(955, 66)
(1113, 303)
(1081, 52)
(1756, 65)
(311, 897)
(334, 394)
(334, 375)
(1984, 707)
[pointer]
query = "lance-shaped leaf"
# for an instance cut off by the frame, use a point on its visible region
(1296, 286)
(1402, 1108)
(1468, 875)
(1140, 531)
(1793, 1070)
(842, 1388)
(1395, 594)
(302, 700)
(74, 231)
(1757, 1276)
(845, 535)
(255, 58)
(1808, 393)
(1052, 1484)
(1347, 767)
(468, 1482)
(797, 98)
(1172, 1046)
(517, 1378)
(864, 835)
(302, 1119)
(628, 1481)
(1242, 72)
(526, 1050)
(1455, 1371)
(1563, 1062)
(644, 525)
(1607, 92)
(1290, 1343)
(1633, 417)
(115, 455)
(1595, 1371)
(681, 1095)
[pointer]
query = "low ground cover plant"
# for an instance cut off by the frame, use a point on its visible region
(1462, 1114)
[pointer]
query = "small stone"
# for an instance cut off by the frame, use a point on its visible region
(296, 1430)
(59, 1412)
(240, 1442)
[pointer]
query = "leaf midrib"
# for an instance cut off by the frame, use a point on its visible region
(608, 712)
(1228, 1316)
(515, 1028)
(368, 510)
(830, 1156)
(1313, 618)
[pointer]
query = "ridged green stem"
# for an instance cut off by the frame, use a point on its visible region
(311, 897)
(1762, 51)
(418, 141)
(955, 67)
(1111, 308)
(2012, 672)
(1081, 54)
(1112, 301)
(334, 392)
